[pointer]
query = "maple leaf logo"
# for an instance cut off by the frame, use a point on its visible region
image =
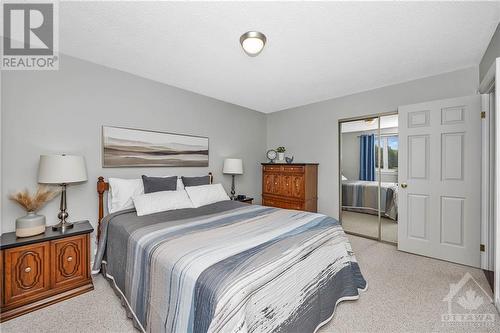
(470, 301)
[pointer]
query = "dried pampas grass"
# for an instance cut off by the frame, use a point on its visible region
(34, 201)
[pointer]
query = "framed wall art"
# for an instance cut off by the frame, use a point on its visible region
(129, 147)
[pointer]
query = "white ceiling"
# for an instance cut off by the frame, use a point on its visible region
(390, 121)
(315, 50)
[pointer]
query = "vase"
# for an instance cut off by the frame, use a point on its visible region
(281, 156)
(30, 225)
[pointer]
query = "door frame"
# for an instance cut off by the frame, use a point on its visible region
(339, 167)
(487, 175)
(488, 85)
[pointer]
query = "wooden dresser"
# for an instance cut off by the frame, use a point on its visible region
(41, 270)
(290, 186)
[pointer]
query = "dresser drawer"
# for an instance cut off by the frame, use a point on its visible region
(27, 272)
(69, 261)
(273, 168)
(273, 202)
(293, 168)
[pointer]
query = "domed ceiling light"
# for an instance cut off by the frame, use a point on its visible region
(253, 42)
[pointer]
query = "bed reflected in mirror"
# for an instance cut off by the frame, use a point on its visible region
(368, 164)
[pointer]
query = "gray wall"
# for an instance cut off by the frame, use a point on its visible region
(311, 132)
(350, 155)
(62, 111)
(492, 52)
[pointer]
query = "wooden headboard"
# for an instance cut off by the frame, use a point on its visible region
(103, 186)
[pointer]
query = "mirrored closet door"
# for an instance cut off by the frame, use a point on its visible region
(368, 165)
(388, 146)
(359, 168)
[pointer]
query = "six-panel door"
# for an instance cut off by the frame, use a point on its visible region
(439, 166)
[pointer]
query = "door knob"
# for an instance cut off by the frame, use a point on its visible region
(404, 185)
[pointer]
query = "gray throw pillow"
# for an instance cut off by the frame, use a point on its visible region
(196, 181)
(157, 184)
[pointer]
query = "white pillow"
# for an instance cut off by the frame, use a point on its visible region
(180, 184)
(206, 194)
(121, 192)
(123, 202)
(162, 201)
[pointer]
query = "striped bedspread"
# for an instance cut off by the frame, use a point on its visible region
(362, 196)
(229, 267)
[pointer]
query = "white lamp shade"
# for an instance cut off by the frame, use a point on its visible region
(233, 166)
(61, 169)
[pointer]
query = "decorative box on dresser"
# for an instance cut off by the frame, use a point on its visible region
(41, 270)
(290, 186)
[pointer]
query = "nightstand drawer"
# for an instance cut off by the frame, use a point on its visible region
(26, 272)
(69, 260)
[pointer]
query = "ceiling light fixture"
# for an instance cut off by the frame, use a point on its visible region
(253, 42)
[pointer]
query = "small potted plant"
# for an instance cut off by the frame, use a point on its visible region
(32, 223)
(281, 153)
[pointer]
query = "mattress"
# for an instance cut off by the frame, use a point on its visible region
(228, 267)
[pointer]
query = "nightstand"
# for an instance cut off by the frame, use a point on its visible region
(247, 200)
(45, 269)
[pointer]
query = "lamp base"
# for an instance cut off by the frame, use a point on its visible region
(233, 192)
(62, 226)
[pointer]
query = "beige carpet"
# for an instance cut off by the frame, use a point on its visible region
(366, 224)
(404, 294)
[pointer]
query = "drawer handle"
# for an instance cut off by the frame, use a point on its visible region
(27, 269)
(70, 259)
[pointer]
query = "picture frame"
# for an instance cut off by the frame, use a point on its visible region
(133, 147)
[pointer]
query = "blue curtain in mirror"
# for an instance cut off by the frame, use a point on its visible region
(367, 157)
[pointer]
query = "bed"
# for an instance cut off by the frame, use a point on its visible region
(227, 267)
(362, 196)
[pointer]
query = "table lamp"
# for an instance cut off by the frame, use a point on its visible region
(233, 166)
(62, 170)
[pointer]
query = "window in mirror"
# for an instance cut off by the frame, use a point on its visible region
(388, 153)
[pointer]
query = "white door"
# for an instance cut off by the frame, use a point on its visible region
(440, 179)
